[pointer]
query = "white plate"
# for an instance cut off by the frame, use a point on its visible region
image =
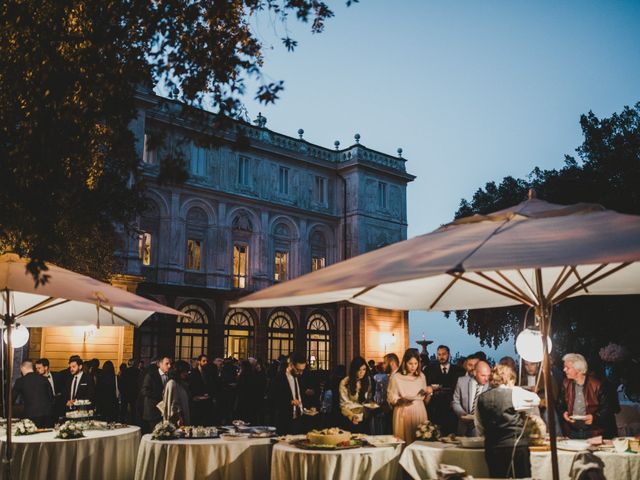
(573, 445)
(234, 436)
(578, 417)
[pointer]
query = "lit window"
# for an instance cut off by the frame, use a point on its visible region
(240, 257)
(320, 190)
(144, 248)
(238, 334)
(317, 263)
(193, 254)
(318, 341)
(382, 195)
(283, 181)
(243, 171)
(280, 335)
(148, 153)
(281, 266)
(191, 333)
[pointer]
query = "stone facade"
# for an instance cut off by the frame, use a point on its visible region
(258, 207)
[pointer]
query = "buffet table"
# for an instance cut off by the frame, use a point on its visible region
(617, 466)
(364, 463)
(422, 459)
(210, 459)
(102, 454)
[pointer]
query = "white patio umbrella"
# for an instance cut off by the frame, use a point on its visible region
(535, 253)
(66, 299)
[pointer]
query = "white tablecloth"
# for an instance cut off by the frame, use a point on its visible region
(208, 459)
(617, 466)
(376, 463)
(421, 459)
(102, 454)
(628, 419)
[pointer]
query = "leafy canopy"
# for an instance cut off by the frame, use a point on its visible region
(69, 71)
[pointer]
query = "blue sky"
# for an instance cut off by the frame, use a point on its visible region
(472, 90)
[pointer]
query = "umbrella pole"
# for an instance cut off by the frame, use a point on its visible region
(542, 314)
(8, 321)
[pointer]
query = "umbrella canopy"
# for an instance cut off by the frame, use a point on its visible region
(483, 261)
(69, 299)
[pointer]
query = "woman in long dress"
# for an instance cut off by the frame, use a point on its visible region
(407, 394)
(176, 396)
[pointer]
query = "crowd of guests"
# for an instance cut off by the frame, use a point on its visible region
(469, 397)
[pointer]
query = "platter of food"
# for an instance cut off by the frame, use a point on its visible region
(306, 444)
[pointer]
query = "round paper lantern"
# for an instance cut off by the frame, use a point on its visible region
(529, 345)
(19, 336)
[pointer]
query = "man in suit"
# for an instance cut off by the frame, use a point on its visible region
(129, 389)
(151, 392)
(200, 387)
(57, 386)
(79, 384)
(36, 395)
(443, 376)
(287, 396)
(465, 397)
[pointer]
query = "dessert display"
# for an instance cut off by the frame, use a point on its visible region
(81, 409)
(197, 432)
(328, 436)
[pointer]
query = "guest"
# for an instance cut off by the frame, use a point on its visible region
(57, 386)
(509, 362)
(443, 377)
(391, 364)
(260, 382)
(288, 398)
(107, 393)
(152, 392)
(470, 363)
(583, 396)
(129, 390)
(248, 397)
(355, 389)
(36, 395)
(383, 417)
(499, 417)
(465, 397)
(407, 394)
(334, 417)
(200, 386)
(175, 398)
(80, 386)
(530, 377)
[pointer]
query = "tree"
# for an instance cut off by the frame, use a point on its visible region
(607, 171)
(69, 71)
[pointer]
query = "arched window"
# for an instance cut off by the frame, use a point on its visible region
(318, 251)
(148, 236)
(238, 334)
(282, 246)
(196, 230)
(279, 335)
(191, 333)
(318, 342)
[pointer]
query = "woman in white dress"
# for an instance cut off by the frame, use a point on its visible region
(176, 397)
(408, 394)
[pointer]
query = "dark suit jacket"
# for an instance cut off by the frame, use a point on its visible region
(85, 389)
(434, 375)
(36, 395)
(282, 396)
(151, 393)
(197, 385)
(129, 387)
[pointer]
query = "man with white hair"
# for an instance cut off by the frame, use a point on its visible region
(583, 403)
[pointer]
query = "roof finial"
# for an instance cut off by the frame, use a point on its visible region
(532, 194)
(357, 137)
(337, 144)
(399, 152)
(300, 133)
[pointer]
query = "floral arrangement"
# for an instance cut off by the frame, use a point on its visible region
(24, 427)
(613, 353)
(164, 431)
(428, 431)
(70, 430)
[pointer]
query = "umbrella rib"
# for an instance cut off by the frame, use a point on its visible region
(580, 284)
(364, 290)
(562, 278)
(580, 280)
(529, 287)
(117, 315)
(574, 288)
(526, 301)
(513, 285)
(442, 294)
(503, 287)
(43, 305)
